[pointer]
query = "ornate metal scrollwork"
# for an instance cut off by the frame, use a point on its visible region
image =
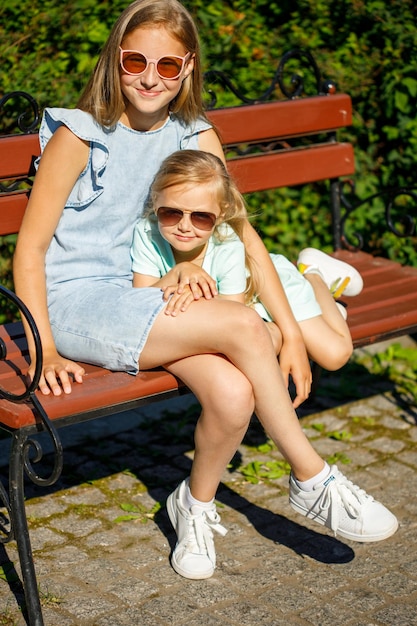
(6, 530)
(33, 385)
(297, 83)
(22, 121)
(21, 444)
(390, 195)
(32, 445)
(408, 222)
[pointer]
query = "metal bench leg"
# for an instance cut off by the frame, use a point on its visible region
(20, 528)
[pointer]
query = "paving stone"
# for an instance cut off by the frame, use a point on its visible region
(247, 613)
(42, 537)
(404, 614)
(77, 525)
(387, 445)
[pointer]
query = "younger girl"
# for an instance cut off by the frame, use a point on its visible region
(72, 268)
(209, 239)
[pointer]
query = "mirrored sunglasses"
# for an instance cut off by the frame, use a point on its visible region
(136, 63)
(199, 219)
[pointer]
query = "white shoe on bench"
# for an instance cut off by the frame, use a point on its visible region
(340, 277)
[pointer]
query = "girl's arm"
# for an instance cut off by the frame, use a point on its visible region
(208, 140)
(293, 355)
(63, 159)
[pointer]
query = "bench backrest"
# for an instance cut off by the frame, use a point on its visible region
(287, 161)
(298, 139)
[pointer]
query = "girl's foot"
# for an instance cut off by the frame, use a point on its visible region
(340, 277)
(194, 556)
(345, 508)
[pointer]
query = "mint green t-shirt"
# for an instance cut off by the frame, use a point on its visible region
(224, 259)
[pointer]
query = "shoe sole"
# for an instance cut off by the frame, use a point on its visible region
(175, 566)
(343, 533)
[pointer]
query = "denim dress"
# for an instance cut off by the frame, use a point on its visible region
(96, 315)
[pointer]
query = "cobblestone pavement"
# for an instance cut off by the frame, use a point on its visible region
(101, 537)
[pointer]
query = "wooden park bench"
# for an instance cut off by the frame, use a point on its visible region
(299, 146)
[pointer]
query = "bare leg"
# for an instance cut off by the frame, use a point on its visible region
(229, 328)
(227, 401)
(210, 327)
(327, 337)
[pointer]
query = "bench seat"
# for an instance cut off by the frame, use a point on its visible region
(387, 306)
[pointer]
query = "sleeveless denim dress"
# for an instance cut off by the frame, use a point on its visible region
(96, 314)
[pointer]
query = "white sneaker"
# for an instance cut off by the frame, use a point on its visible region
(345, 508)
(340, 277)
(194, 555)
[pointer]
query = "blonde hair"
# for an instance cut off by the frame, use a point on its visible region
(195, 167)
(103, 97)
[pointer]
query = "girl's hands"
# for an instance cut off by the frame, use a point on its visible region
(177, 302)
(197, 279)
(57, 373)
(293, 359)
(192, 284)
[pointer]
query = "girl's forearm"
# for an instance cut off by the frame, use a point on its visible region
(270, 289)
(30, 286)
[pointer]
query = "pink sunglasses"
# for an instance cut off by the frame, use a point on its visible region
(135, 63)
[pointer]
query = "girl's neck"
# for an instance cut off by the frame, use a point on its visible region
(195, 256)
(144, 122)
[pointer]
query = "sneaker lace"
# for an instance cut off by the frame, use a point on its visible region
(201, 528)
(338, 491)
(338, 286)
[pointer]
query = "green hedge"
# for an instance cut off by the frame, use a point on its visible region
(369, 48)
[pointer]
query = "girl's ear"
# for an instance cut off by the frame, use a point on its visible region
(189, 67)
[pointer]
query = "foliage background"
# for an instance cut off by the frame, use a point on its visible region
(368, 47)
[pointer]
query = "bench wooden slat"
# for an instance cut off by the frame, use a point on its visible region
(17, 153)
(292, 118)
(12, 210)
(100, 389)
(292, 167)
(370, 330)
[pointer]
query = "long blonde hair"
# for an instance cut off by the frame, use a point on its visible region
(195, 167)
(102, 96)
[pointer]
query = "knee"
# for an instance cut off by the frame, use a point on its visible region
(250, 325)
(232, 401)
(237, 396)
(338, 355)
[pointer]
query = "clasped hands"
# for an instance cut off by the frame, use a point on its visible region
(189, 283)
